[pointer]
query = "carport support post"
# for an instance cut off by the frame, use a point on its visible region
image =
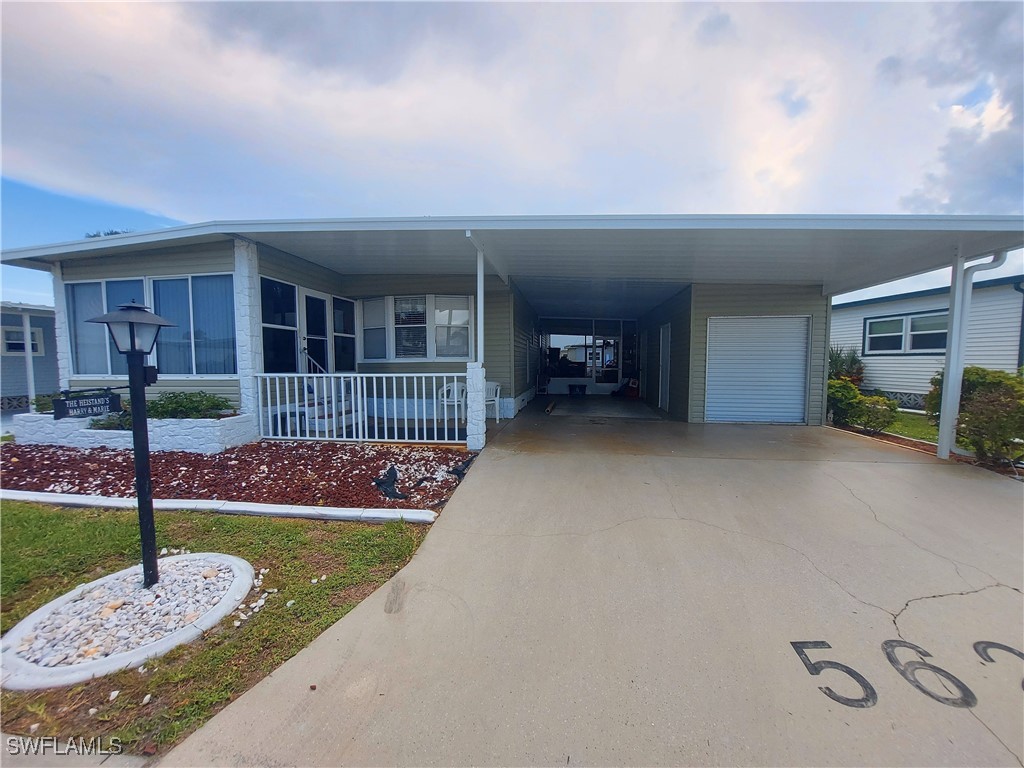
(953, 373)
(30, 373)
(476, 425)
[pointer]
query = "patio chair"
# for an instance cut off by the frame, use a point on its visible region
(492, 396)
(453, 393)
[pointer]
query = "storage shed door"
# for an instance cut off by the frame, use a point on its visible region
(757, 369)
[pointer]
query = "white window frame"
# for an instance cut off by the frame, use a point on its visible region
(389, 319)
(151, 359)
(906, 334)
(38, 350)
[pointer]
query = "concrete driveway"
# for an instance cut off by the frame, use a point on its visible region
(623, 592)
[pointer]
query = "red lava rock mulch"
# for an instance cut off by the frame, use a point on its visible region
(310, 473)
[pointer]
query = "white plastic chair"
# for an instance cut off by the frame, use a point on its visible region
(453, 393)
(492, 396)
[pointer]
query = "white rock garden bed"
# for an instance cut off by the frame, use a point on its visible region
(114, 623)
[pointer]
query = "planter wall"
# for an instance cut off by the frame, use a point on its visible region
(192, 435)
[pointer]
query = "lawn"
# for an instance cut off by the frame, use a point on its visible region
(915, 426)
(47, 551)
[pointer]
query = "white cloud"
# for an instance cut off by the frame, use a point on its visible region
(251, 110)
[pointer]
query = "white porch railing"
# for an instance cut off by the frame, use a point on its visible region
(386, 407)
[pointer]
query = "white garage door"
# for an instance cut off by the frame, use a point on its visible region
(757, 369)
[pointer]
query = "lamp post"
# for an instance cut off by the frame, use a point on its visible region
(134, 329)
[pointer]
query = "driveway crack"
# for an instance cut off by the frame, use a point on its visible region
(952, 561)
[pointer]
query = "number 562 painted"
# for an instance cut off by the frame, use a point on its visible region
(908, 669)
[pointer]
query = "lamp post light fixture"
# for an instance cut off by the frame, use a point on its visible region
(134, 329)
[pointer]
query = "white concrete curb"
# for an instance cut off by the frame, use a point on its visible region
(351, 514)
(21, 675)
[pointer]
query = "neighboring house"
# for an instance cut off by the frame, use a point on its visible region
(388, 329)
(902, 338)
(19, 378)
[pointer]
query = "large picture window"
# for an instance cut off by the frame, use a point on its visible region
(411, 328)
(906, 334)
(202, 308)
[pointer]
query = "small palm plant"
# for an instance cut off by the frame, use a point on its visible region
(845, 363)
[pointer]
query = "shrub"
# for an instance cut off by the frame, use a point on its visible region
(992, 423)
(44, 403)
(876, 413)
(843, 401)
(845, 363)
(976, 379)
(168, 405)
(187, 405)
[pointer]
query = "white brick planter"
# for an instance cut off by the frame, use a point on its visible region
(192, 435)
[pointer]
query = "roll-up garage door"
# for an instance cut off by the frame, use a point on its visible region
(757, 369)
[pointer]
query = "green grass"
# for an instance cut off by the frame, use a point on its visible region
(915, 426)
(6, 438)
(46, 551)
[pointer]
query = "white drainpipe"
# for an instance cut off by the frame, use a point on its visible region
(953, 373)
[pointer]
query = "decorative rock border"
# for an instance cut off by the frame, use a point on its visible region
(351, 514)
(20, 674)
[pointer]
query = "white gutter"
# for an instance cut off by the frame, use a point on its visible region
(959, 314)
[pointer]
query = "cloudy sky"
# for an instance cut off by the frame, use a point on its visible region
(161, 112)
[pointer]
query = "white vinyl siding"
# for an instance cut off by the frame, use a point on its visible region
(757, 369)
(993, 337)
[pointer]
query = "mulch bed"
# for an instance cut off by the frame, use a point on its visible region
(270, 472)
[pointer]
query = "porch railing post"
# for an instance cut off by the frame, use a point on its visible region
(476, 425)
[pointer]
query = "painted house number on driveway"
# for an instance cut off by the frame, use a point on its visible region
(956, 695)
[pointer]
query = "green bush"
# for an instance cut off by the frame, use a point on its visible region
(843, 401)
(875, 413)
(44, 403)
(976, 379)
(187, 405)
(845, 363)
(992, 424)
(168, 405)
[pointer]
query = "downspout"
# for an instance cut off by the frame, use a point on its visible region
(1019, 288)
(953, 373)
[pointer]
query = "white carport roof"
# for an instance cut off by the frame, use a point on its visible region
(639, 256)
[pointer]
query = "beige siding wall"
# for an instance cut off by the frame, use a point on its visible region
(497, 317)
(282, 266)
(524, 346)
(224, 387)
(190, 260)
(752, 301)
(677, 313)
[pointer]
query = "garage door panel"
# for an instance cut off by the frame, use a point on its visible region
(757, 369)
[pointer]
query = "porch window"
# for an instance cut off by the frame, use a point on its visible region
(202, 308)
(344, 334)
(410, 326)
(923, 333)
(279, 302)
(14, 341)
(416, 328)
(375, 332)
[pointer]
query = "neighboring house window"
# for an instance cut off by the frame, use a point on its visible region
(280, 304)
(907, 334)
(202, 308)
(14, 341)
(411, 328)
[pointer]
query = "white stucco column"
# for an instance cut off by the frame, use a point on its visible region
(476, 420)
(248, 332)
(30, 371)
(61, 323)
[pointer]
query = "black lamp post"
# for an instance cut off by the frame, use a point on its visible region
(134, 330)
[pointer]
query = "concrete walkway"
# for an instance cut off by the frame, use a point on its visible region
(619, 592)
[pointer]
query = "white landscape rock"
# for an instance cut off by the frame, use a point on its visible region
(115, 623)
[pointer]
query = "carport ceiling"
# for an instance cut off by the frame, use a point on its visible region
(589, 297)
(841, 253)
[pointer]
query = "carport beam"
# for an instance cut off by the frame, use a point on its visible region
(953, 372)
